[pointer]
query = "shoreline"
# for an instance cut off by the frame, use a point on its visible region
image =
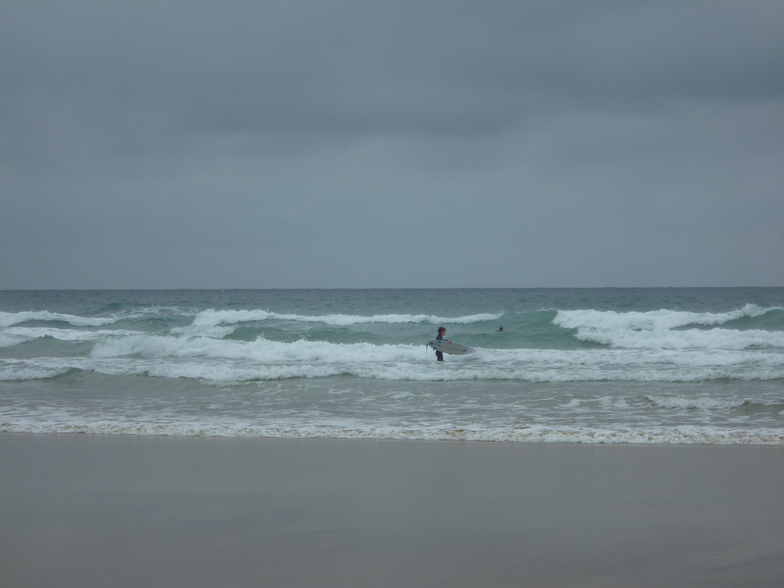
(530, 436)
(124, 510)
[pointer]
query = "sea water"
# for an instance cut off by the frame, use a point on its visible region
(571, 365)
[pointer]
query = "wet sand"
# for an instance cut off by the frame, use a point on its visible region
(96, 511)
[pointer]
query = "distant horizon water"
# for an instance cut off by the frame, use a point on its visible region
(589, 365)
(360, 288)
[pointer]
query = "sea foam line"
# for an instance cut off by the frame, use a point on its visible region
(268, 351)
(663, 329)
(8, 319)
(15, 335)
(688, 339)
(652, 320)
(211, 318)
(686, 435)
(403, 363)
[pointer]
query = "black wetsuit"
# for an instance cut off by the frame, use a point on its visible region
(439, 355)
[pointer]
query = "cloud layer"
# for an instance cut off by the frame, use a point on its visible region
(321, 144)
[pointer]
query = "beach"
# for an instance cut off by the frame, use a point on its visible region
(308, 438)
(117, 510)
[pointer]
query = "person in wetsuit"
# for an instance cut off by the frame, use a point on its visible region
(440, 337)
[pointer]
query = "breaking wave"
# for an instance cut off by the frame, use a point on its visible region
(8, 319)
(665, 329)
(212, 318)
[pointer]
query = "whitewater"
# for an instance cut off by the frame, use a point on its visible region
(571, 365)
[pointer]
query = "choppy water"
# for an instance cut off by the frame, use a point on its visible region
(596, 365)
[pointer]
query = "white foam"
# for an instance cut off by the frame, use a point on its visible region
(8, 319)
(216, 373)
(221, 361)
(22, 334)
(694, 403)
(657, 329)
(653, 320)
(212, 331)
(211, 318)
(12, 370)
(9, 340)
(689, 339)
(261, 350)
(688, 435)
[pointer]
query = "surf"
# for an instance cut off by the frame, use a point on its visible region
(212, 318)
(667, 329)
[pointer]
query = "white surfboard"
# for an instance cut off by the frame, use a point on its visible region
(451, 348)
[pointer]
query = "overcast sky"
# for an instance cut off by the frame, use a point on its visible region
(395, 144)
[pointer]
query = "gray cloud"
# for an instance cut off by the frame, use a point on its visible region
(333, 144)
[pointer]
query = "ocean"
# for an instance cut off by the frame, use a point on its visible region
(614, 365)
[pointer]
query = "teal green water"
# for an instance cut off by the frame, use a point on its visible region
(591, 365)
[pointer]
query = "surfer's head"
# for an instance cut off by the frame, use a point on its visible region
(441, 330)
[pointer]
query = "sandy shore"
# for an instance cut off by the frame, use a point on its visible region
(96, 511)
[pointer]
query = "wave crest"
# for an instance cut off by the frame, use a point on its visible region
(213, 318)
(665, 329)
(8, 319)
(652, 320)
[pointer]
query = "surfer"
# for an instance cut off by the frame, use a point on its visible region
(500, 330)
(440, 337)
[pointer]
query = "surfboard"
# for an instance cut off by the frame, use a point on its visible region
(451, 348)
